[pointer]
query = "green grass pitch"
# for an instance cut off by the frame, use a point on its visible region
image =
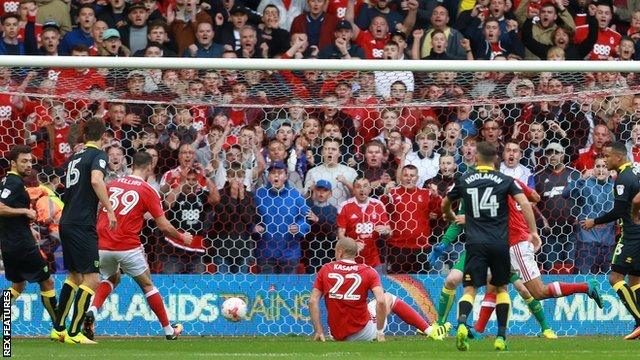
(582, 348)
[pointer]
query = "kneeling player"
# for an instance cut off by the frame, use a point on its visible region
(345, 285)
(20, 253)
(131, 197)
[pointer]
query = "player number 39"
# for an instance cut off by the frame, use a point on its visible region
(128, 199)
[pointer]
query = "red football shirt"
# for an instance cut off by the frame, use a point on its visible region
(635, 155)
(518, 227)
(62, 149)
(409, 212)
(359, 222)
(11, 126)
(174, 176)
(339, 8)
(131, 197)
(345, 285)
(373, 48)
(587, 159)
(9, 6)
(605, 45)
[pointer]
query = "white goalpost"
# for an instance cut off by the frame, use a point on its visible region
(241, 115)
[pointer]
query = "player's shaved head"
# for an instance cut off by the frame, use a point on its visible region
(487, 153)
(347, 247)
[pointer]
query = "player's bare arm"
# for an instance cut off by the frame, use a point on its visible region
(614, 214)
(169, 230)
(9, 211)
(381, 311)
(314, 309)
(100, 188)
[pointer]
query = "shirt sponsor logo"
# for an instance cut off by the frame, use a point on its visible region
(5, 193)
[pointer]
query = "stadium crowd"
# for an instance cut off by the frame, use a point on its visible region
(266, 168)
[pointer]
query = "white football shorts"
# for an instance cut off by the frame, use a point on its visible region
(133, 262)
(523, 261)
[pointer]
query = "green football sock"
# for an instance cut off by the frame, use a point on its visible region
(444, 304)
(535, 306)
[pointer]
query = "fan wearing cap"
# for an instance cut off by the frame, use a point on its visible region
(558, 213)
(82, 34)
(50, 39)
(342, 47)
(282, 223)
(319, 242)
(134, 34)
(112, 45)
(229, 32)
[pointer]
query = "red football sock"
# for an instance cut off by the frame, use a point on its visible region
(488, 305)
(559, 289)
(408, 315)
(102, 292)
(157, 306)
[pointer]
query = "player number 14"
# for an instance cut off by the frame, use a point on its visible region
(485, 202)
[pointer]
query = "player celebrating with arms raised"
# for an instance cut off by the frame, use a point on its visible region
(485, 194)
(85, 187)
(345, 285)
(626, 256)
(131, 197)
(20, 253)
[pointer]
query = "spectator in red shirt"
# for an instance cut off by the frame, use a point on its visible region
(372, 41)
(186, 158)
(587, 158)
(608, 39)
(365, 220)
(410, 210)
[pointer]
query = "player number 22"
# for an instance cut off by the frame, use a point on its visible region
(349, 294)
(128, 199)
(485, 202)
